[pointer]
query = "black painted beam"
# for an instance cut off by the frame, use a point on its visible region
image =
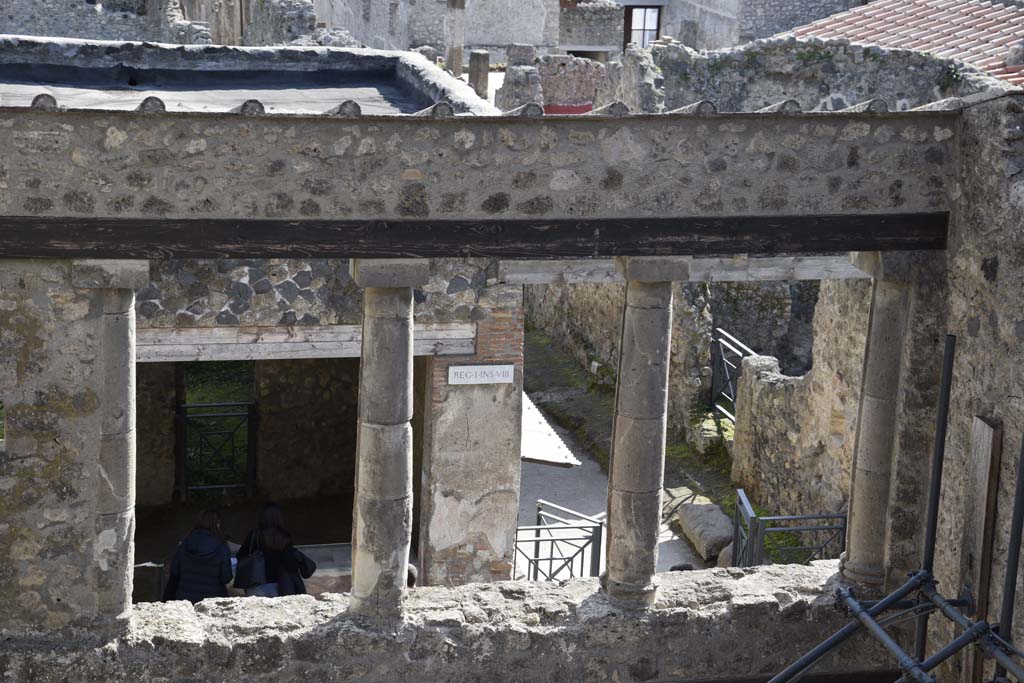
(90, 237)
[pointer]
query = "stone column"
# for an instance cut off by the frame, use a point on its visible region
(382, 514)
(456, 36)
(114, 544)
(638, 438)
(864, 561)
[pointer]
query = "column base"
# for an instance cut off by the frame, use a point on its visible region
(630, 596)
(870, 579)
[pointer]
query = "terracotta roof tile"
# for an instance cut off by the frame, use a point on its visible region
(975, 32)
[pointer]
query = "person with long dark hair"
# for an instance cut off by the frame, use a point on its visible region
(201, 567)
(284, 566)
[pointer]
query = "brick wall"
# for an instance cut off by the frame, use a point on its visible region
(470, 484)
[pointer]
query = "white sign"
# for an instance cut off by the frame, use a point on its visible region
(481, 374)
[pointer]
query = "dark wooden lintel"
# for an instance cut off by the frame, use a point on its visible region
(90, 237)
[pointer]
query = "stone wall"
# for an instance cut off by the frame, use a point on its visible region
(307, 430)
(61, 558)
(820, 75)
(99, 21)
(155, 447)
(513, 631)
(568, 81)
(276, 22)
(378, 23)
(764, 18)
(985, 310)
(275, 292)
(702, 24)
(591, 25)
(772, 318)
(794, 443)
(585, 320)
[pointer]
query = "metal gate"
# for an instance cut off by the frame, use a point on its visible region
(562, 545)
(216, 448)
(793, 539)
(727, 354)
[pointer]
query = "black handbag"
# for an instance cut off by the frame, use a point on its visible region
(252, 569)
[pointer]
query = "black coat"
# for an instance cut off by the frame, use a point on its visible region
(201, 568)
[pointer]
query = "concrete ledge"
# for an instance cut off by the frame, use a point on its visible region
(711, 624)
(110, 274)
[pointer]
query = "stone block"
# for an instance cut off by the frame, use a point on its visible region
(654, 268)
(708, 528)
(384, 462)
(390, 272)
(110, 274)
(520, 54)
(118, 393)
(638, 462)
(113, 559)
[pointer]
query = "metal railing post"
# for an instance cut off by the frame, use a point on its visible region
(251, 449)
(536, 546)
(596, 539)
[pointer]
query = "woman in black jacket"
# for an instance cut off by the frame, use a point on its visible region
(202, 564)
(285, 565)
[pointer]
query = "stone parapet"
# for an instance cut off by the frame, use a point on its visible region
(530, 631)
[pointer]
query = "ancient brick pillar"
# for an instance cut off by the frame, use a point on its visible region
(864, 561)
(456, 36)
(638, 437)
(382, 514)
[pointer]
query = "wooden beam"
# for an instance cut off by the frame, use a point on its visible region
(979, 528)
(716, 269)
(91, 237)
(165, 345)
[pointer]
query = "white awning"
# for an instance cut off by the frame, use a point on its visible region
(541, 443)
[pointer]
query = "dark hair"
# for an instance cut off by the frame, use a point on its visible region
(209, 520)
(273, 533)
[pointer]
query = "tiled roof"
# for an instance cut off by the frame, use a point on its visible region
(978, 33)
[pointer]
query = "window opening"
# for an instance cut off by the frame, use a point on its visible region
(642, 25)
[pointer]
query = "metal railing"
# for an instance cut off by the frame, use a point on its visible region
(727, 354)
(563, 544)
(785, 539)
(216, 447)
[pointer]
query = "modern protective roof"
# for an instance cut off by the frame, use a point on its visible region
(978, 33)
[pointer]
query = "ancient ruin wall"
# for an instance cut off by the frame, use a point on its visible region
(591, 25)
(585, 320)
(51, 375)
(793, 450)
(302, 292)
(155, 444)
(125, 20)
(307, 427)
(506, 632)
(702, 24)
(820, 75)
(764, 18)
(277, 22)
(986, 311)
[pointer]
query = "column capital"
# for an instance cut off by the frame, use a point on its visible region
(109, 273)
(390, 272)
(654, 268)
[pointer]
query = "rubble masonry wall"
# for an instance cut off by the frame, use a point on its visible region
(502, 632)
